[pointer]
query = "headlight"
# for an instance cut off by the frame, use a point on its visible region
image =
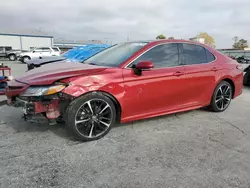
(40, 91)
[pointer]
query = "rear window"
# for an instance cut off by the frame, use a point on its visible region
(194, 54)
(210, 56)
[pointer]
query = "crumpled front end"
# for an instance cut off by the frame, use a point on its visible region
(47, 101)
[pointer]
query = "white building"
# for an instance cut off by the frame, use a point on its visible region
(25, 41)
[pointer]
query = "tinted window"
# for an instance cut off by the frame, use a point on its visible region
(210, 56)
(46, 49)
(194, 54)
(166, 55)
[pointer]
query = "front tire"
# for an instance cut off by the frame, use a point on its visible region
(26, 58)
(91, 116)
(222, 97)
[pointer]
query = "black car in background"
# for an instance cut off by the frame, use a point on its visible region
(246, 78)
(242, 56)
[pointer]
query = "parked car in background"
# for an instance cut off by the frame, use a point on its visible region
(40, 53)
(79, 53)
(4, 50)
(242, 56)
(128, 82)
(246, 78)
(13, 55)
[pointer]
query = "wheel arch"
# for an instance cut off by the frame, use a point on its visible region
(11, 54)
(229, 80)
(116, 102)
(110, 96)
(27, 56)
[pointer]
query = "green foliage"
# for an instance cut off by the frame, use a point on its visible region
(161, 36)
(239, 44)
(209, 40)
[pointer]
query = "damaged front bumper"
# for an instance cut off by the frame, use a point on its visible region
(32, 109)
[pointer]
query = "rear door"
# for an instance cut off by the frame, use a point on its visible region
(56, 51)
(157, 90)
(201, 71)
(46, 52)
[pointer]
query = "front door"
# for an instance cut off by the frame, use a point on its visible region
(157, 90)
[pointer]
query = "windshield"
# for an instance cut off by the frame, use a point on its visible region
(116, 54)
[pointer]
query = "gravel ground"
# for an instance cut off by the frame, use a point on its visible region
(192, 149)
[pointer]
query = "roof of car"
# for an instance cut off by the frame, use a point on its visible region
(161, 41)
(164, 41)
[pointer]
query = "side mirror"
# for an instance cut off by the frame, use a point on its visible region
(34, 51)
(143, 65)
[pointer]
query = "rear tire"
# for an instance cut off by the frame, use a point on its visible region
(222, 97)
(12, 57)
(246, 79)
(91, 116)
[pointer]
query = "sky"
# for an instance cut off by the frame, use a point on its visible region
(115, 20)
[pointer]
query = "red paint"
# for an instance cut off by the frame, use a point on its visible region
(145, 65)
(155, 92)
(52, 110)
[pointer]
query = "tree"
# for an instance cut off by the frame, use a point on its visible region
(235, 39)
(239, 44)
(209, 40)
(161, 36)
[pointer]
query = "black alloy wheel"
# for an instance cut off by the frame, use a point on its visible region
(222, 97)
(91, 116)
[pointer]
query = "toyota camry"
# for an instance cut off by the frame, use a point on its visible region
(127, 82)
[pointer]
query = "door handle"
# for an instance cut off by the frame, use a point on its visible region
(214, 69)
(178, 73)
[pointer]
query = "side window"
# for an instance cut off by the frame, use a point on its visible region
(46, 49)
(165, 55)
(55, 49)
(210, 56)
(194, 54)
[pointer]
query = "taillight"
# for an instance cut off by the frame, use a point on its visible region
(239, 67)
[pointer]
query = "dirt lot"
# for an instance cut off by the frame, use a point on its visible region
(192, 149)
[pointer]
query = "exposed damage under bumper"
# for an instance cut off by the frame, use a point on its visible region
(51, 107)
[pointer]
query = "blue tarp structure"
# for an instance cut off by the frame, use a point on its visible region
(81, 53)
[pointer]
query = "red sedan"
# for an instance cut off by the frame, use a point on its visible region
(127, 82)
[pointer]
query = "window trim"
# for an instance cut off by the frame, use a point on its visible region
(180, 50)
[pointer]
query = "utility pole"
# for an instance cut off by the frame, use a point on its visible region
(127, 38)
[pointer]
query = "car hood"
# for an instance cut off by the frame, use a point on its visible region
(50, 73)
(45, 60)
